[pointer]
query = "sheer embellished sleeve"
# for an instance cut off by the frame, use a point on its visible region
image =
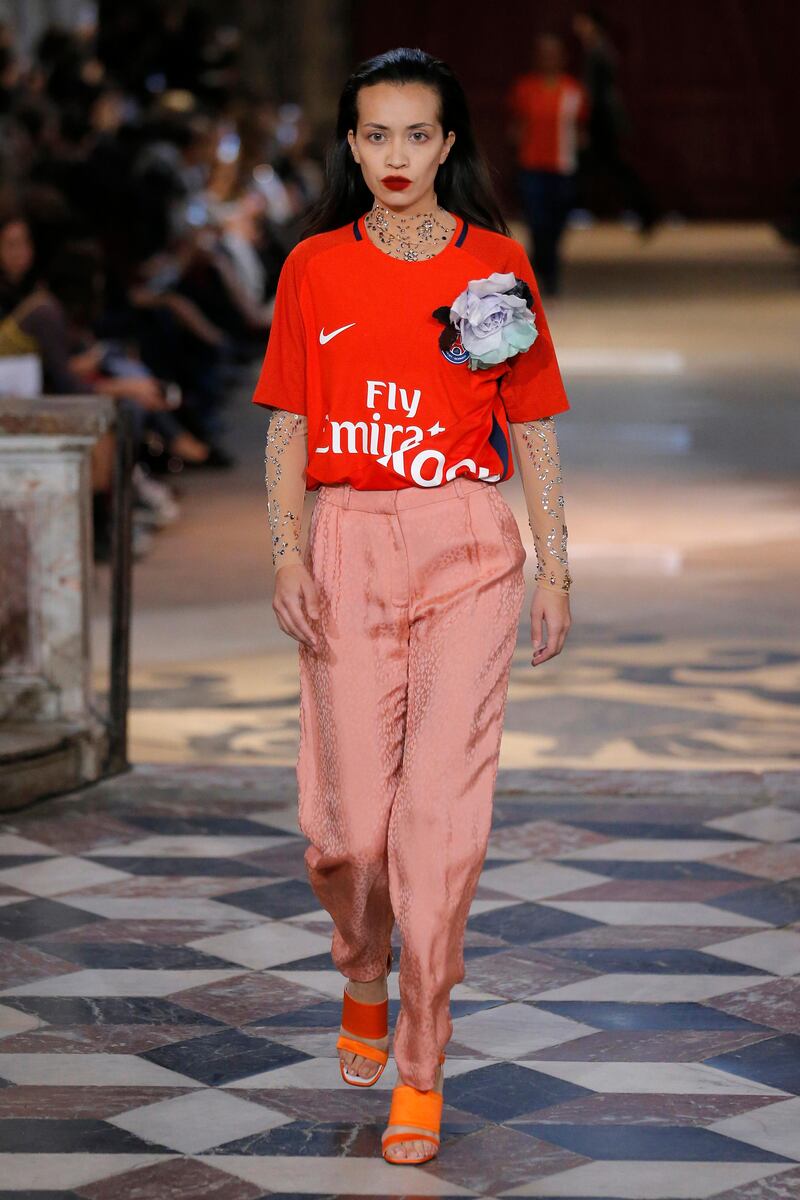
(539, 463)
(285, 459)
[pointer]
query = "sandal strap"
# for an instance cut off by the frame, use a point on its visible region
(412, 1107)
(373, 1052)
(365, 1020)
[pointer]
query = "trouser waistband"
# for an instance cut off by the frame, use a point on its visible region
(392, 499)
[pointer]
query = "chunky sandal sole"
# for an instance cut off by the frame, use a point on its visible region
(364, 1020)
(412, 1107)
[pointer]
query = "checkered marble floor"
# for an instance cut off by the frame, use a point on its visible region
(629, 1025)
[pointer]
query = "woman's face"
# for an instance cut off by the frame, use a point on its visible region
(16, 250)
(399, 134)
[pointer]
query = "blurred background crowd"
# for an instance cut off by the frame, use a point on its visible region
(147, 202)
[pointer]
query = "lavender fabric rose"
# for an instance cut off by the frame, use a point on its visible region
(494, 318)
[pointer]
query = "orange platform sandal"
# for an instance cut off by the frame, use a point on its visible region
(421, 1109)
(363, 1020)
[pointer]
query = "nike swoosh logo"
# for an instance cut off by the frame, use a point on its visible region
(326, 337)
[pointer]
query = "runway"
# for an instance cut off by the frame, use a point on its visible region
(628, 1025)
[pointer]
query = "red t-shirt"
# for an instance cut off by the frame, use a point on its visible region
(355, 348)
(550, 116)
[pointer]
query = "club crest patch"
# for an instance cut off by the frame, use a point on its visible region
(455, 352)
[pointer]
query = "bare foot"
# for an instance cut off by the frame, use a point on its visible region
(421, 1147)
(370, 992)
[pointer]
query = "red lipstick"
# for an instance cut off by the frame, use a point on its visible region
(395, 183)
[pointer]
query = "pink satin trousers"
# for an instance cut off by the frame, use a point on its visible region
(401, 715)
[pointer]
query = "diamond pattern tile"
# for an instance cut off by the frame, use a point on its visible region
(627, 1027)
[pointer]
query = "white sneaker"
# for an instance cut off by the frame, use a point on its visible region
(141, 540)
(155, 496)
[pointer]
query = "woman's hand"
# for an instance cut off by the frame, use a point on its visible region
(553, 607)
(295, 596)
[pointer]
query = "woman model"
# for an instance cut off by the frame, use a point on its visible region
(408, 349)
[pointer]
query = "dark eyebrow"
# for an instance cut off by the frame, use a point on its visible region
(416, 125)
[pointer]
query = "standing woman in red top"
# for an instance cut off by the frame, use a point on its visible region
(549, 110)
(408, 349)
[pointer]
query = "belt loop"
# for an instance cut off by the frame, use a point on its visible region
(459, 485)
(348, 492)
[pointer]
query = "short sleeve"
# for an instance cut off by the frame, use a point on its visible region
(532, 386)
(282, 380)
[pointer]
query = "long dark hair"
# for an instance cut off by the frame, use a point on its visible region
(463, 185)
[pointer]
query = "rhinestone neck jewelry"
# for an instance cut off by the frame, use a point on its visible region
(413, 238)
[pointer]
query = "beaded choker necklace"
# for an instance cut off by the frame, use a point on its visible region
(413, 238)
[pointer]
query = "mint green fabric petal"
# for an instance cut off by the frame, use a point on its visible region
(517, 336)
(521, 335)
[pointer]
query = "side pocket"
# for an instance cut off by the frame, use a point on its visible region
(506, 522)
(312, 527)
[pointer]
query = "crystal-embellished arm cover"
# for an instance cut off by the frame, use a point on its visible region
(285, 459)
(540, 468)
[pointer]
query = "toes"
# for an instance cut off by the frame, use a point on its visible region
(416, 1149)
(355, 1064)
(419, 1148)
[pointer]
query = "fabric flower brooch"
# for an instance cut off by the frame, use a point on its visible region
(490, 321)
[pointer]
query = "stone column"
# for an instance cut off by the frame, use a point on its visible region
(52, 737)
